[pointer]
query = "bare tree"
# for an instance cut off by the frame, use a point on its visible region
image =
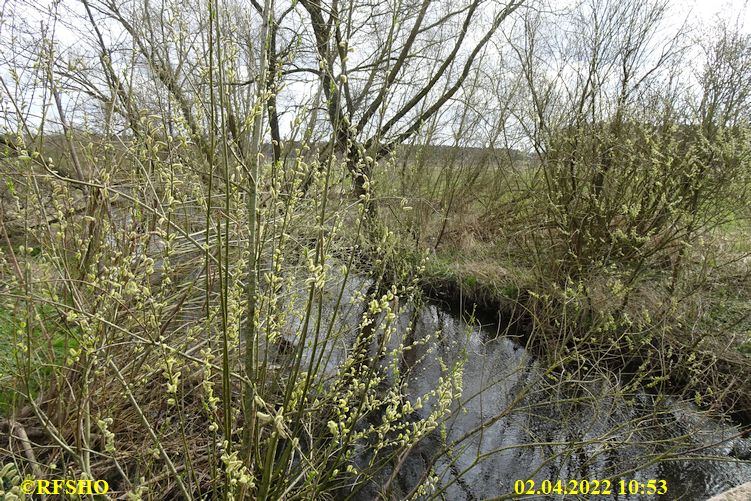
(383, 98)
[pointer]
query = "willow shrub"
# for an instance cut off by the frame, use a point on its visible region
(141, 272)
(619, 245)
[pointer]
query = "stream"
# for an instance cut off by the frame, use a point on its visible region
(528, 429)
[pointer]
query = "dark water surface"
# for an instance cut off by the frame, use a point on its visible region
(514, 424)
(536, 433)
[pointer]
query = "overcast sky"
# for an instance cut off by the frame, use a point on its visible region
(706, 11)
(697, 13)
